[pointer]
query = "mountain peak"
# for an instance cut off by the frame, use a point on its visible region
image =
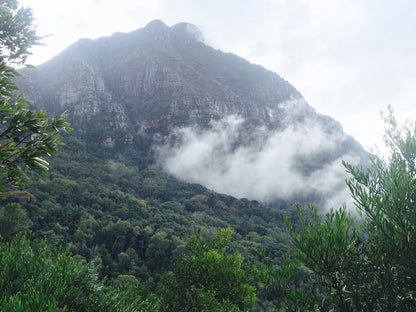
(188, 29)
(182, 31)
(156, 24)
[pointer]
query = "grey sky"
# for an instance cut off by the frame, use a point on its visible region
(350, 59)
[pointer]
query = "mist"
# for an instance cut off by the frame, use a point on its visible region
(272, 165)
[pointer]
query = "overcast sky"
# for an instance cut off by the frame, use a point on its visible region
(350, 59)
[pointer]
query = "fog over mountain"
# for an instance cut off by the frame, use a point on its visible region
(293, 163)
(205, 116)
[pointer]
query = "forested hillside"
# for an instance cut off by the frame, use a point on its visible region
(137, 220)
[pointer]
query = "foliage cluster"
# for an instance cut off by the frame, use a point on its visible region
(25, 136)
(207, 280)
(364, 263)
(46, 280)
(42, 280)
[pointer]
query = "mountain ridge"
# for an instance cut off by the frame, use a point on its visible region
(143, 89)
(94, 63)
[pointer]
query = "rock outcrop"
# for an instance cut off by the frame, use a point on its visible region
(155, 79)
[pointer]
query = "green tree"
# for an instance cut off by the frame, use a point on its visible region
(42, 280)
(328, 247)
(25, 135)
(18, 33)
(205, 279)
(13, 220)
(369, 266)
(38, 281)
(385, 195)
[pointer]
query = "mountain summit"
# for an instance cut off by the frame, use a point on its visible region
(207, 115)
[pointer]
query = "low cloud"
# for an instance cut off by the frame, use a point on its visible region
(272, 165)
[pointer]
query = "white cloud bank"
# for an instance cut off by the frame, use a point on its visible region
(278, 165)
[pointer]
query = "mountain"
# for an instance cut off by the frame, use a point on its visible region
(173, 139)
(154, 79)
(160, 95)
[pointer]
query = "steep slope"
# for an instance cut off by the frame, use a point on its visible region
(162, 86)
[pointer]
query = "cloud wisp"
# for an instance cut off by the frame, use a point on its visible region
(272, 165)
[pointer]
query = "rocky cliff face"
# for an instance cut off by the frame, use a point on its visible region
(149, 83)
(155, 79)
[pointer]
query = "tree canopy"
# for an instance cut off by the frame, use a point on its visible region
(26, 136)
(366, 262)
